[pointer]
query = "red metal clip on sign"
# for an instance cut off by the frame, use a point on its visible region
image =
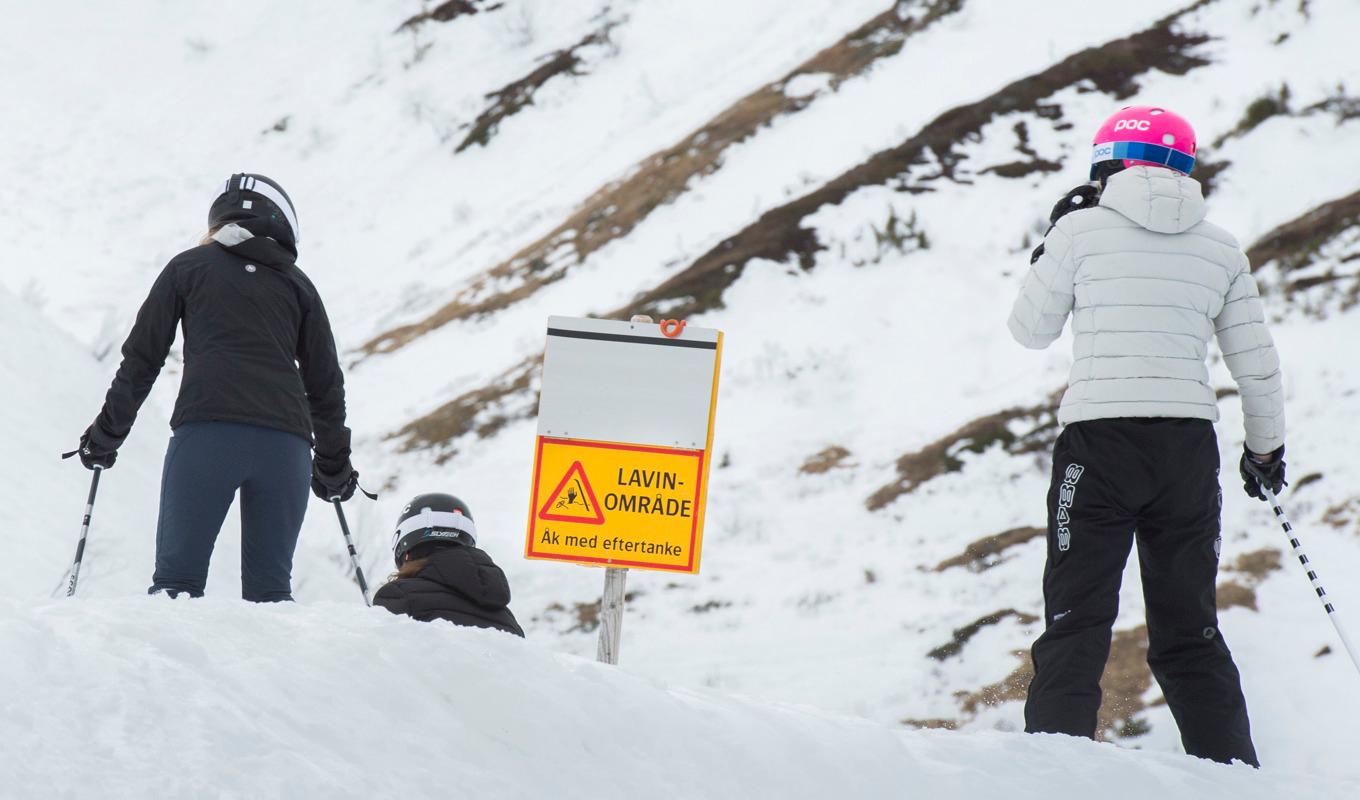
(671, 328)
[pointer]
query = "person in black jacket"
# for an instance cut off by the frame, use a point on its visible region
(441, 574)
(262, 387)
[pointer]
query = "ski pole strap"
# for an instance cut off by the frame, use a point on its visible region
(1261, 480)
(335, 498)
(74, 452)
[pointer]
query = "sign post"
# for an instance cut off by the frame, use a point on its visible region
(625, 439)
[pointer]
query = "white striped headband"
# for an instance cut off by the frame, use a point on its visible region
(435, 520)
(250, 184)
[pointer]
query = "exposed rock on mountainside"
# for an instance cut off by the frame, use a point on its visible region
(449, 11)
(1018, 430)
(514, 97)
(990, 551)
(1295, 244)
(962, 635)
(483, 411)
(1320, 248)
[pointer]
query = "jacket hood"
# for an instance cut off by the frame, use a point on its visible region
(1159, 199)
(239, 240)
(470, 572)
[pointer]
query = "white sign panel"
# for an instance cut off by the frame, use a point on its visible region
(610, 381)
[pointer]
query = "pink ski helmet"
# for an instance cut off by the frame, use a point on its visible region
(1145, 135)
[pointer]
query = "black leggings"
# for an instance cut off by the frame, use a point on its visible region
(205, 464)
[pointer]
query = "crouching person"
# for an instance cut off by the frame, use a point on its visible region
(441, 573)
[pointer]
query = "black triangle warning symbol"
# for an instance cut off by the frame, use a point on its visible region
(573, 500)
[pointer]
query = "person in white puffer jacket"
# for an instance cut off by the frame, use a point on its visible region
(1148, 283)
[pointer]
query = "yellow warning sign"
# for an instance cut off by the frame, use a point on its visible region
(622, 505)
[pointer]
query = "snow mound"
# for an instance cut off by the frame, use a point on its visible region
(215, 698)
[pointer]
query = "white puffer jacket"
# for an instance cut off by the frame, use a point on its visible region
(1148, 283)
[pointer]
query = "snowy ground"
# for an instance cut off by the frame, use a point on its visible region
(153, 697)
(806, 596)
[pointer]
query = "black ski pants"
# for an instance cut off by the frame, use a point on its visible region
(1153, 481)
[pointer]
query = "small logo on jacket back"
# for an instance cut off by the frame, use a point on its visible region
(250, 267)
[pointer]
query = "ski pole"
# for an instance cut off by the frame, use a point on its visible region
(353, 554)
(84, 532)
(1312, 573)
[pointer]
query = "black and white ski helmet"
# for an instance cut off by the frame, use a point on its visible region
(432, 518)
(257, 204)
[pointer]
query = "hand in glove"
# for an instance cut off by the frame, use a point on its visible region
(94, 453)
(329, 485)
(1084, 196)
(1258, 470)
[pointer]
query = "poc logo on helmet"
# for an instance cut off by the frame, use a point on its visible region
(1132, 125)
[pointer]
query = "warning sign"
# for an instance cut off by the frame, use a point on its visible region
(573, 500)
(625, 434)
(617, 505)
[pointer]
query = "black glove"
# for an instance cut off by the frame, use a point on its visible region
(1260, 470)
(330, 485)
(1084, 196)
(94, 453)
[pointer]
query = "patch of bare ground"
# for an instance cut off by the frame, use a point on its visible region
(1295, 244)
(518, 95)
(585, 617)
(1017, 430)
(1232, 594)
(482, 411)
(1125, 681)
(448, 12)
(962, 635)
(931, 724)
(1257, 564)
(989, 551)
(825, 460)
(711, 605)
(1248, 571)
(1301, 242)
(616, 209)
(1307, 480)
(1279, 103)
(1344, 515)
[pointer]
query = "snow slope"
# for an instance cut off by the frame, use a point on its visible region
(879, 336)
(152, 697)
(50, 388)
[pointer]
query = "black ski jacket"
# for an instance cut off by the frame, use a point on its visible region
(258, 349)
(460, 584)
